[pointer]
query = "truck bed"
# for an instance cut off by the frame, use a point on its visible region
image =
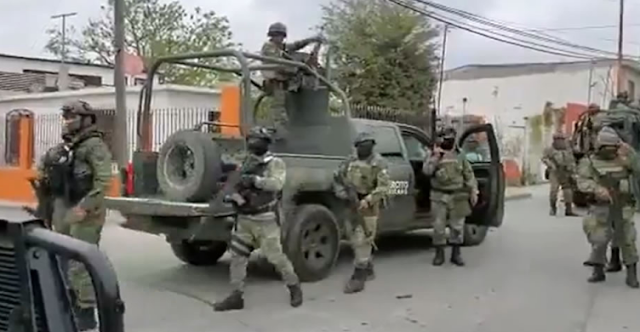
(162, 207)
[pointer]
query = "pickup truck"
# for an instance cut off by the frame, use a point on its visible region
(178, 204)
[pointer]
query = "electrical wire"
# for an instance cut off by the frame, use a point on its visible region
(514, 41)
(541, 36)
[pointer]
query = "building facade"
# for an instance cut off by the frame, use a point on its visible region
(522, 100)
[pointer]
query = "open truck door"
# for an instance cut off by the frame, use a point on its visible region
(478, 144)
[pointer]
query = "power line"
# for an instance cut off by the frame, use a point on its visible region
(477, 31)
(492, 23)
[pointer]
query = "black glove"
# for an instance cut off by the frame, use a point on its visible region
(248, 180)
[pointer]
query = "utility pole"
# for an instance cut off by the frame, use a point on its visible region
(620, 42)
(593, 63)
(63, 73)
(444, 52)
(122, 145)
(63, 42)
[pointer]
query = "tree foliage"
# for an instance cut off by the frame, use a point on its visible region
(383, 54)
(153, 29)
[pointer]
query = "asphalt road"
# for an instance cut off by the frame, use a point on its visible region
(527, 276)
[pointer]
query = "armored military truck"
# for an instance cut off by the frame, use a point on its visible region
(34, 294)
(176, 191)
(626, 122)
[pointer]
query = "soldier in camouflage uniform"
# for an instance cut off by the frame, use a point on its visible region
(561, 166)
(256, 200)
(276, 82)
(454, 190)
(364, 175)
(79, 172)
(606, 174)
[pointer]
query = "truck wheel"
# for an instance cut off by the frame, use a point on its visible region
(312, 241)
(200, 253)
(474, 234)
(189, 166)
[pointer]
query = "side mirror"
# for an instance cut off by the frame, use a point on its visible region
(38, 299)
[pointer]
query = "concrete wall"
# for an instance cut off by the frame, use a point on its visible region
(164, 96)
(505, 101)
(17, 65)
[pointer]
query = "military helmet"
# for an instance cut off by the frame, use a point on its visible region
(363, 137)
(593, 106)
(607, 136)
(79, 107)
(277, 28)
(259, 132)
(558, 135)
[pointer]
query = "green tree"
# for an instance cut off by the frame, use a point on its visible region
(153, 29)
(383, 54)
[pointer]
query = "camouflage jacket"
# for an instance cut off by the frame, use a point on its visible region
(592, 170)
(370, 178)
(91, 165)
(274, 50)
(450, 172)
(559, 160)
(271, 180)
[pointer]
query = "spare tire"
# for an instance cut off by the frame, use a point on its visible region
(189, 166)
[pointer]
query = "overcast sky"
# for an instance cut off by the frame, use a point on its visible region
(23, 23)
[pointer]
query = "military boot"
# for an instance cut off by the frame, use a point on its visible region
(553, 209)
(614, 264)
(357, 281)
(295, 295)
(632, 276)
(234, 301)
(568, 210)
(598, 274)
(86, 319)
(456, 257)
(439, 257)
(371, 274)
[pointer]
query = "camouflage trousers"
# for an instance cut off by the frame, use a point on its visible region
(89, 230)
(362, 244)
(600, 233)
(449, 210)
(278, 91)
(556, 180)
(253, 232)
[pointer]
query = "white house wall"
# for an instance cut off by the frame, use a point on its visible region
(15, 65)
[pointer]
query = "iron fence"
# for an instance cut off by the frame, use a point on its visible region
(47, 127)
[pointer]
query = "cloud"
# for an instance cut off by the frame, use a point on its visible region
(249, 20)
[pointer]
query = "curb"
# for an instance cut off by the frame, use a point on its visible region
(519, 196)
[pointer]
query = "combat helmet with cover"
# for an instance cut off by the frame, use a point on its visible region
(261, 133)
(276, 29)
(79, 107)
(607, 136)
(364, 137)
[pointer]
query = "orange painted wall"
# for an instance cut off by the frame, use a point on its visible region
(16, 188)
(573, 111)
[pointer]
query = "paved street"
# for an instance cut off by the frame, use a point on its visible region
(527, 276)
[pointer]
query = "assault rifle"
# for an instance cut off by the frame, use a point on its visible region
(353, 203)
(615, 208)
(44, 196)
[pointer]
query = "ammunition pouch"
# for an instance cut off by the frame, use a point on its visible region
(257, 202)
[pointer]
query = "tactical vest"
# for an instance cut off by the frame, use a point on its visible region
(448, 176)
(69, 177)
(612, 171)
(561, 158)
(257, 200)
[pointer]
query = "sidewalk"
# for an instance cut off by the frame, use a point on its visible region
(513, 193)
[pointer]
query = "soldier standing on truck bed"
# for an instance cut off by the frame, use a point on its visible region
(362, 180)
(79, 172)
(607, 174)
(561, 167)
(454, 190)
(276, 82)
(256, 201)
